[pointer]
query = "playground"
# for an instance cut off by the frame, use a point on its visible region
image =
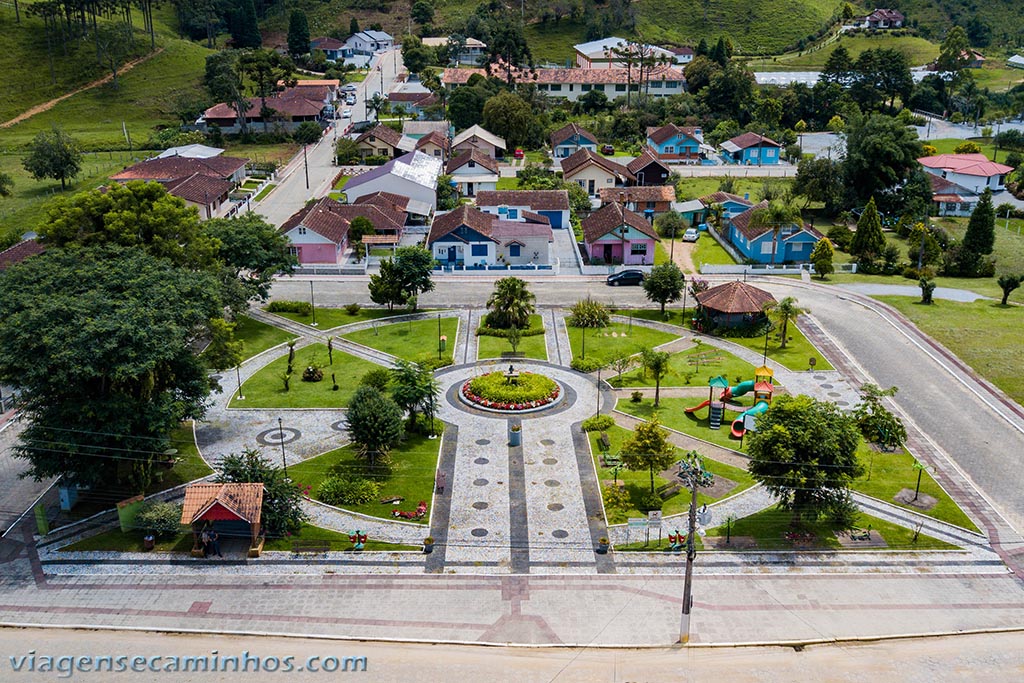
(762, 388)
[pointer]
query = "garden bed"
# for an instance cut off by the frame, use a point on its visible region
(494, 391)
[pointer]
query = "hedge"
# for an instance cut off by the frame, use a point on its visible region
(531, 387)
(297, 307)
(505, 334)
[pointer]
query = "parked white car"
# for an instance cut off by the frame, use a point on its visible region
(347, 114)
(691, 235)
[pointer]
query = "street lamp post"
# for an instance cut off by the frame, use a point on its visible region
(312, 304)
(583, 332)
(238, 377)
(599, 392)
(692, 471)
(683, 320)
(439, 336)
(284, 459)
(305, 165)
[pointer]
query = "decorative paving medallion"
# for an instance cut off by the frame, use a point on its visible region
(340, 426)
(479, 533)
(560, 533)
(483, 442)
(480, 482)
(481, 461)
(555, 507)
(550, 461)
(480, 505)
(547, 442)
(552, 483)
(273, 437)
(820, 377)
(834, 394)
(826, 386)
(842, 403)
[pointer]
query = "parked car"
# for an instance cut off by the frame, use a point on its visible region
(347, 114)
(691, 235)
(350, 100)
(626, 277)
(607, 149)
(351, 87)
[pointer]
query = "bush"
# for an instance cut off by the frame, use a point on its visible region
(840, 236)
(162, 520)
(598, 423)
(431, 362)
(347, 490)
(353, 309)
(298, 307)
(505, 334)
(494, 387)
(649, 501)
(589, 313)
(912, 273)
(636, 397)
(375, 160)
(585, 364)
(377, 378)
(616, 503)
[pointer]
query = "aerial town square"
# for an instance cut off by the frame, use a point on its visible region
(560, 340)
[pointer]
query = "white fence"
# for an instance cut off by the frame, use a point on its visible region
(766, 269)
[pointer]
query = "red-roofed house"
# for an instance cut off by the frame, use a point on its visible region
(751, 149)
(950, 199)
(760, 243)
(648, 169)
(571, 84)
(468, 237)
(884, 18)
(973, 172)
(380, 141)
(472, 171)
(614, 230)
(594, 172)
(570, 139)
(319, 232)
(288, 109)
(651, 201)
(19, 252)
(202, 183)
(435, 144)
(675, 143)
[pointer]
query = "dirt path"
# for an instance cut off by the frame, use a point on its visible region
(682, 254)
(40, 108)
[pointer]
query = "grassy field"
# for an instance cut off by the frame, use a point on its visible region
(265, 389)
(334, 539)
(117, 541)
(258, 336)
(918, 51)
(639, 482)
(552, 42)
(796, 354)
(984, 334)
(533, 347)
(709, 252)
(690, 364)
(409, 340)
(607, 342)
(672, 413)
(947, 145)
(695, 188)
(411, 474)
(329, 318)
(190, 465)
(507, 183)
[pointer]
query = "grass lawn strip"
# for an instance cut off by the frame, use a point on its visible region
(411, 475)
(796, 354)
(672, 414)
(330, 318)
(721, 363)
(336, 540)
(637, 483)
(406, 339)
(258, 336)
(190, 465)
(265, 389)
(531, 347)
(606, 342)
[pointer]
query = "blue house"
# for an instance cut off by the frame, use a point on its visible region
(751, 149)
(791, 244)
(675, 143)
(331, 47)
(570, 139)
(732, 204)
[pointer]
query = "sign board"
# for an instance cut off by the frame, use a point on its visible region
(636, 523)
(654, 519)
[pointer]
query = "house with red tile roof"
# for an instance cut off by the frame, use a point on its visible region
(472, 171)
(676, 143)
(287, 110)
(381, 141)
(435, 144)
(571, 84)
(468, 237)
(24, 249)
(973, 172)
(751, 149)
(570, 139)
(319, 232)
(594, 172)
(512, 204)
(205, 183)
(614, 234)
(884, 18)
(649, 201)
(648, 169)
(788, 243)
(950, 199)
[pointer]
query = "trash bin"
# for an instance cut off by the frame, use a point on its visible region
(148, 542)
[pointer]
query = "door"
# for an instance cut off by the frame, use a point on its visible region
(469, 189)
(590, 187)
(607, 251)
(451, 254)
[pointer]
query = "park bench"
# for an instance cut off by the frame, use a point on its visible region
(603, 443)
(666, 491)
(310, 547)
(513, 354)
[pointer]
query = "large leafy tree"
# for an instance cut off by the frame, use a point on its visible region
(510, 304)
(954, 53)
(281, 513)
(664, 284)
(648, 449)
(99, 341)
(875, 421)
(245, 31)
(266, 69)
(804, 452)
(250, 252)
(374, 424)
(386, 286)
(868, 241)
(881, 153)
(782, 313)
(508, 115)
(53, 154)
(223, 79)
(657, 364)
(414, 265)
(413, 388)
(466, 106)
(820, 180)
(980, 237)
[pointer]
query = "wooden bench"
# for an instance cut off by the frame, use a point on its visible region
(603, 443)
(666, 491)
(513, 354)
(309, 547)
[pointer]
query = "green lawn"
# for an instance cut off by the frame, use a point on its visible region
(984, 334)
(697, 363)
(533, 347)
(710, 253)
(796, 354)
(695, 188)
(918, 51)
(672, 413)
(265, 389)
(117, 541)
(638, 483)
(661, 254)
(258, 336)
(335, 539)
(329, 318)
(947, 145)
(507, 183)
(409, 340)
(890, 472)
(601, 344)
(268, 188)
(410, 475)
(342, 182)
(553, 41)
(279, 153)
(190, 465)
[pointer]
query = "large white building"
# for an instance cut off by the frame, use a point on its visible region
(571, 84)
(601, 54)
(972, 172)
(413, 175)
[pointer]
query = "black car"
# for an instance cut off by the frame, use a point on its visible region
(626, 277)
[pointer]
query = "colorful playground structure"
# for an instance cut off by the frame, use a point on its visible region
(762, 387)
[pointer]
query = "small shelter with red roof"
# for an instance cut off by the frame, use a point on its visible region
(734, 304)
(230, 509)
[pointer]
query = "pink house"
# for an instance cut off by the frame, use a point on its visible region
(614, 231)
(319, 232)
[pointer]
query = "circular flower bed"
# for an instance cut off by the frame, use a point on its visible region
(495, 392)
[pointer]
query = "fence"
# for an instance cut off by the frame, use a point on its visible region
(766, 269)
(536, 269)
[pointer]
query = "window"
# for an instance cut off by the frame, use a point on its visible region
(670, 149)
(585, 87)
(951, 206)
(513, 250)
(556, 87)
(673, 84)
(513, 214)
(472, 164)
(619, 87)
(966, 206)
(571, 86)
(302, 230)
(769, 152)
(479, 250)
(437, 152)
(638, 248)
(766, 247)
(293, 251)
(651, 205)
(656, 84)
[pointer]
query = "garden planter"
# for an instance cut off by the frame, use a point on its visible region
(515, 437)
(602, 546)
(428, 545)
(148, 542)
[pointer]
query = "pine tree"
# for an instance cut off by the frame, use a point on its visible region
(353, 26)
(702, 48)
(868, 240)
(981, 229)
(298, 34)
(822, 257)
(245, 32)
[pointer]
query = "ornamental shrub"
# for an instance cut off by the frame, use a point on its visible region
(352, 309)
(297, 307)
(598, 423)
(162, 520)
(504, 334)
(494, 387)
(588, 313)
(347, 490)
(585, 364)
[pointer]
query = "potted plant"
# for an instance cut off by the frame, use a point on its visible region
(515, 435)
(602, 545)
(428, 545)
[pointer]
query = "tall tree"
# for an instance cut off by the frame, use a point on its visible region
(281, 514)
(298, 34)
(103, 360)
(782, 313)
(374, 425)
(838, 67)
(648, 448)
(820, 180)
(245, 31)
(510, 304)
(881, 154)
(386, 286)
(980, 237)
(267, 69)
(413, 388)
(868, 241)
(466, 106)
(509, 116)
(804, 453)
(822, 257)
(664, 284)
(415, 266)
(875, 421)
(55, 155)
(954, 53)
(251, 252)
(223, 78)
(656, 363)
(223, 351)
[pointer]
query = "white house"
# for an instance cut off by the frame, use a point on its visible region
(601, 54)
(480, 139)
(468, 237)
(1016, 61)
(950, 199)
(571, 84)
(472, 51)
(512, 204)
(413, 175)
(369, 42)
(972, 172)
(472, 171)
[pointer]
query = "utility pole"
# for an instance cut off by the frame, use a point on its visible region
(280, 434)
(691, 469)
(305, 165)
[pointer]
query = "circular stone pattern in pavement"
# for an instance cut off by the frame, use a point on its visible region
(820, 377)
(481, 461)
(480, 505)
(550, 461)
(340, 426)
(483, 442)
(479, 533)
(552, 483)
(826, 386)
(833, 394)
(555, 507)
(480, 482)
(272, 437)
(560, 533)
(547, 442)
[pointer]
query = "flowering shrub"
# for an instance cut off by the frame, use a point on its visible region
(492, 391)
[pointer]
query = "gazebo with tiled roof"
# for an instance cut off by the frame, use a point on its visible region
(733, 304)
(207, 504)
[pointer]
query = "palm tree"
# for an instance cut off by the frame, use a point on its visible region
(782, 313)
(778, 213)
(715, 214)
(510, 305)
(377, 103)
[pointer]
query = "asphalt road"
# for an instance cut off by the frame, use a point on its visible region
(984, 657)
(985, 446)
